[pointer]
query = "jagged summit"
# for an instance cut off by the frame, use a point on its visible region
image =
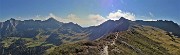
(12, 19)
(109, 26)
(51, 19)
(27, 28)
(122, 18)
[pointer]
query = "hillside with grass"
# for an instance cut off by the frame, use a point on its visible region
(123, 36)
(137, 40)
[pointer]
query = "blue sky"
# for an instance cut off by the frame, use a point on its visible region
(64, 10)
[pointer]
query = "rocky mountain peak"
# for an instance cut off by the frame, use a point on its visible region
(12, 19)
(122, 18)
(11, 22)
(51, 19)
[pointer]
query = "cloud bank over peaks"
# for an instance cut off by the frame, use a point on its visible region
(92, 19)
(119, 14)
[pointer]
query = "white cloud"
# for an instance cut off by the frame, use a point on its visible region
(150, 20)
(97, 19)
(52, 15)
(39, 17)
(90, 20)
(117, 15)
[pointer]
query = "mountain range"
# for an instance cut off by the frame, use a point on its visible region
(30, 36)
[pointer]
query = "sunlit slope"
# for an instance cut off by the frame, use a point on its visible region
(137, 40)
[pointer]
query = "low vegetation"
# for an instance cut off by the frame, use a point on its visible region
(137, 40)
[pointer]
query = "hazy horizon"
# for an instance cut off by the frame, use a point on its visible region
(90, 12)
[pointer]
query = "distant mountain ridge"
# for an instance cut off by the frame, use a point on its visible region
(33, 35)
(31, 28)
(19, 28)
(109, 26)
(169, 26)
(36, 36)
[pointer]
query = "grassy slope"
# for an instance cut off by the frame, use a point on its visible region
(161, 40)
(138, 40)
(8, 41)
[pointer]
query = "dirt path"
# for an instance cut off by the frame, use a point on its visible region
(113, 43)
(105, 51)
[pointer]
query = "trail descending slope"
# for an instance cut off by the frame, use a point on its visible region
(137, 40)
(105, 51)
